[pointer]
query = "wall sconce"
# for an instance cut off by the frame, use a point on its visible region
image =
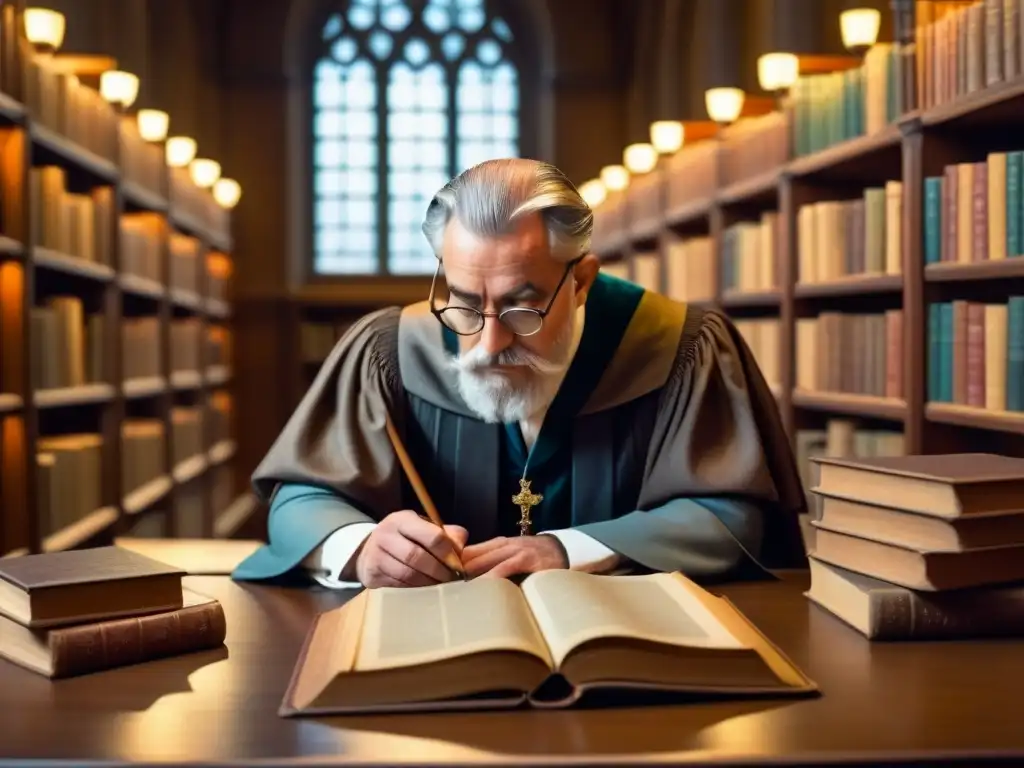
(593, 192)
(204, 172)
(615, 178)
(153, 124)
(667, 136)
(859, 27)
(44, 29)
(640, 158)
(119, 88)
(777, 71)
(724, 104)
(227, 192)
(179, 151)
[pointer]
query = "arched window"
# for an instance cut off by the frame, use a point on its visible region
(406, 94)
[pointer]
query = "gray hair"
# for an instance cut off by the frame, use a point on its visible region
(488, 198)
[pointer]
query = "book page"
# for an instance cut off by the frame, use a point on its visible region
(573, 607)
(409, 626)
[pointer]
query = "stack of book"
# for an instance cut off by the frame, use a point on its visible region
(921, 547)
(64, 614)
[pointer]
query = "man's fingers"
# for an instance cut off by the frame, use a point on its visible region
(476, 550)
(430, 537)
(488, 560)
(458, 535)
(509, 567)
(411, 554)
(395, 569)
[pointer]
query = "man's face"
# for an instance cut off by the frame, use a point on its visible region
(503, 376)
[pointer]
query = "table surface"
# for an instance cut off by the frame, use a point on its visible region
(879, 701)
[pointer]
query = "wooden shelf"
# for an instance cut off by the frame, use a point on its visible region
(71, 265)
(763, 187)
(851, 405)
(107, 290)
(975, 418)
(63, 151)
(975, 270)
(845, 153)
(65, 396)
(687, 214)
(737, 300)
(854, 285)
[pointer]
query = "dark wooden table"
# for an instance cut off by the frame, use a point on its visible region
(879, 702)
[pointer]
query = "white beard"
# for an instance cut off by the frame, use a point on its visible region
(496, 398)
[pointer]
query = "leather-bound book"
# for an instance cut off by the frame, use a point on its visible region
(77, 586)
(883, 611)
(83, 648)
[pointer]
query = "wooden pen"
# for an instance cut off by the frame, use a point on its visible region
(451, 561)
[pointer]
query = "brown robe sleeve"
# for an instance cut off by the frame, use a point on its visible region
(336, 438)
(333, 464)
(721, 484)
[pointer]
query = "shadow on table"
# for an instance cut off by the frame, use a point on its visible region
(600, 727)
(134, 688)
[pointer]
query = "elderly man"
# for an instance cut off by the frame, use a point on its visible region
(559, 417)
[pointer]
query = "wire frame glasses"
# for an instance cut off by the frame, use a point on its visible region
(522, 321)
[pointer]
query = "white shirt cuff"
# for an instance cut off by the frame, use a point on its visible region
(327, 561)
(585, 553)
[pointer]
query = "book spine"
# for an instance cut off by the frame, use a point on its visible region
(933, 219)
(103, 645)
(896, 613)
(1014, 162)
(1015, 354)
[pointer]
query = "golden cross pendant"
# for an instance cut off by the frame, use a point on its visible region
(525, 500)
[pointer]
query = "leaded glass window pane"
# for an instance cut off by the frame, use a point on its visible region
(406, 94)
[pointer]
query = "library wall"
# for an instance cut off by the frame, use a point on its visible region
(116, 328)
(865, 236)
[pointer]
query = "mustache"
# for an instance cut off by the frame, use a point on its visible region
(478, 359)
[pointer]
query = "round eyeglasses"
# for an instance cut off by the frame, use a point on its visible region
(522, 321)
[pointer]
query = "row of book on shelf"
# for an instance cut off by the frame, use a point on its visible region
(78, 224)
(961, 47)
(70, 466)
(58, 101)
(68, 344)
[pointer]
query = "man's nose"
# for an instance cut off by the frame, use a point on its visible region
(495, 337)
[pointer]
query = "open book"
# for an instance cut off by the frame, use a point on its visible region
(488, 643)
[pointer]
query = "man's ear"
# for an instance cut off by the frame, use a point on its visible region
(584, 274)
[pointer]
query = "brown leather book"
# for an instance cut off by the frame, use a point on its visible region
(916, 569)
(883, 611)
(57, 588)
(488, 644)
(926, 533)
(83, 648)
(947, 485)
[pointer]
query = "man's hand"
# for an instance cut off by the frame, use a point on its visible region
(502, 558)
(406, 550)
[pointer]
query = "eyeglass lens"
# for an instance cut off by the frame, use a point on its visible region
(519, 320)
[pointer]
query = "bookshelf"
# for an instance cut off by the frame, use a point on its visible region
(843, 312)
(115, 339)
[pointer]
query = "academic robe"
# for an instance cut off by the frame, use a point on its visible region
(664, 443)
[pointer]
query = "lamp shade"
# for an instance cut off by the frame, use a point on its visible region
(227, 192)
(179, 151)
(593, 192)
(859, 27)
(44, 28)
(615, 177)
(667, 136)
(724, 104)
(153, 124)
(640, 158)
(119, 87)
(204, 172)
(777, 71)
